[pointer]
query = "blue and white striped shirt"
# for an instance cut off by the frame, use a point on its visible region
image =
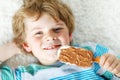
(61, 72)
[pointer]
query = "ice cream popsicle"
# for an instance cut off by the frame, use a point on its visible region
(78, 56)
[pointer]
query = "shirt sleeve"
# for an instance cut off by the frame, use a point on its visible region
(6, 73)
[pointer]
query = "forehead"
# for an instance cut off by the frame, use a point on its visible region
(45, 20)
(41, 17)
(38, 19)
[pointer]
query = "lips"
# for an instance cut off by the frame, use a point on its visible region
(51, 47)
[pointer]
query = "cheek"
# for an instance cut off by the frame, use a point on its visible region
(65, 39)
(35, 48)
(33, 43)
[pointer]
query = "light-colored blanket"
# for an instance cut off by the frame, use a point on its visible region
(95, 20)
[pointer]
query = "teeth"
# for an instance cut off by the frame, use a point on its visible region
(50, 47)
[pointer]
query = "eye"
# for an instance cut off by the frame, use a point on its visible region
(38, 33)
(57, 30)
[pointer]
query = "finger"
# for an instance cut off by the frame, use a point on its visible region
(113, 65)
(103, 59)
(118, 75)
(116, 69)
(109, 62)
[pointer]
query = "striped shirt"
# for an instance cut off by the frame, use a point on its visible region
(60, 71)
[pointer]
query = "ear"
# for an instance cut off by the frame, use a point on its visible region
(26, 47)
(70, 37)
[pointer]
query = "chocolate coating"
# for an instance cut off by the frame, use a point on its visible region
(80, 57)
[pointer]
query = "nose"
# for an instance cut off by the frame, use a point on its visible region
(51, 37)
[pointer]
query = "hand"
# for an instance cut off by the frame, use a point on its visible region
(111, 63)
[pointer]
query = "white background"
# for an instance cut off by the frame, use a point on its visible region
(95, 20)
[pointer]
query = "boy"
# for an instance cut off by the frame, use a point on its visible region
(41, 27)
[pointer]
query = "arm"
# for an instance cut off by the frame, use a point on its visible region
(8, 50)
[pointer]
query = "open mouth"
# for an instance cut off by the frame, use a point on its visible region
(52, 47)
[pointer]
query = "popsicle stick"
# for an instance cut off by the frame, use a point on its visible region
(97, 59)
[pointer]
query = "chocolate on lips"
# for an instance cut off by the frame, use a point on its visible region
(78, 56)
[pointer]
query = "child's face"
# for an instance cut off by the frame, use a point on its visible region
(44, 37)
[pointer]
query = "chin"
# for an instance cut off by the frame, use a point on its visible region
(49, 62)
